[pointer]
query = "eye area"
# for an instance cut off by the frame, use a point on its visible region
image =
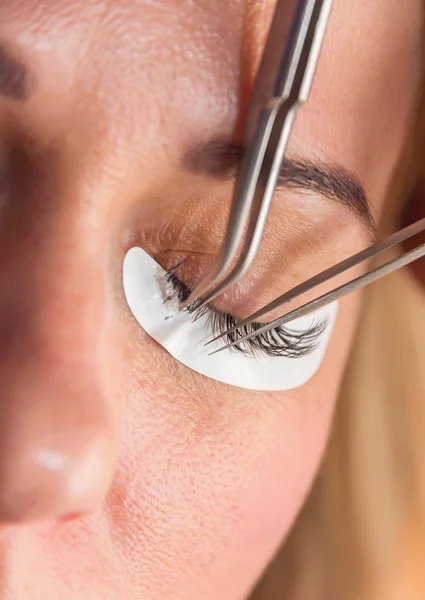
(154, 304)
(281, 341)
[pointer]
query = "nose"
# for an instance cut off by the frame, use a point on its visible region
(55, 445)
(57, 448)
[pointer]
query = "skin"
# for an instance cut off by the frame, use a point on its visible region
(122, 473)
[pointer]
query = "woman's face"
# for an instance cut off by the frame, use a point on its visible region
(123, 473)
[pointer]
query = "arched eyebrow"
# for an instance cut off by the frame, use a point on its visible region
(15, 80)
(220, 159)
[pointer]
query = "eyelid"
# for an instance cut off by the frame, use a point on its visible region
(189, 268)
(281, 341)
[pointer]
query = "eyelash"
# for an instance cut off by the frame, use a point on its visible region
(280, 341)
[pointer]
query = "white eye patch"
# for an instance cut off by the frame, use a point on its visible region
(148, 295)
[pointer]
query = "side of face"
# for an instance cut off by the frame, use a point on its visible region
(178, 485)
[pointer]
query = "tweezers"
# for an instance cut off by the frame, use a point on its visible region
(282, 85)
(338, 292)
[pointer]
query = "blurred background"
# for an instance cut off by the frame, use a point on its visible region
(361, 534)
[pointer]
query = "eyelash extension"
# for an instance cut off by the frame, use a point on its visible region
(280, 341)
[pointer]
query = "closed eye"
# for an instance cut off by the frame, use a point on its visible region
(281, 341)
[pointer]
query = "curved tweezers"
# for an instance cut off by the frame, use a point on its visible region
(283, 83)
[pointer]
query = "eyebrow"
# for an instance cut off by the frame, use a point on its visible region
(14, 78)
(220, 159)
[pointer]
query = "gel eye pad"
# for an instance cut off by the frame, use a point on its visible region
(156, 309)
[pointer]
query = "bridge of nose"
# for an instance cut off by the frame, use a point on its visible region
(57, 447)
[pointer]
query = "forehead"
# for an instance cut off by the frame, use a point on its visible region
(151, 77)
(148, 62)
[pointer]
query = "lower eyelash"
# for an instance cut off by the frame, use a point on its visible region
(280, 341)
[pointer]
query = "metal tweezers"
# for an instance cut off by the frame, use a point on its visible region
(282, 85)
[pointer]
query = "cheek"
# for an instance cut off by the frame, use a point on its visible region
(210, 479)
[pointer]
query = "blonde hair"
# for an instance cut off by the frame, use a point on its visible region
(361, 533)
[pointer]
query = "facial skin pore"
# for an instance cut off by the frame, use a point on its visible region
(178, 487)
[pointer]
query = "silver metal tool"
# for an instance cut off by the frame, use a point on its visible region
(283, 83)
(355, 284)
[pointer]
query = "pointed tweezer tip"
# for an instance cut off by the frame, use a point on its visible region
(183, 305)
(223, 348)
(187, 302)
(200, 303)
(217, 351)
(218, 337)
